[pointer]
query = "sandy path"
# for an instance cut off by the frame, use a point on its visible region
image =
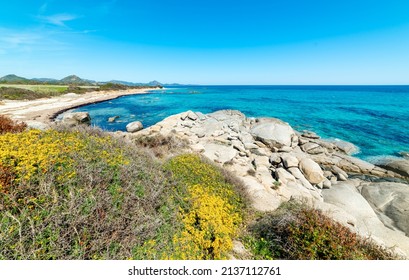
(43, 110)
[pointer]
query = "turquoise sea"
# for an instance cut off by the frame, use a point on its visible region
(375, 118)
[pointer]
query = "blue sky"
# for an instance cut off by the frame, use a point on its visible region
(208, 42)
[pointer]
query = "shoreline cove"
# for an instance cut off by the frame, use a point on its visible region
(44, 111)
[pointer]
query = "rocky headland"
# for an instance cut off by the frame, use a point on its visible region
(278, 164)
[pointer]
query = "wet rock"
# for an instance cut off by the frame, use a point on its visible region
(112, 119)
(404, 154)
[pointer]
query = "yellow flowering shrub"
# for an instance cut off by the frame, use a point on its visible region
(211, 213)
(35, 152)
(76, 193)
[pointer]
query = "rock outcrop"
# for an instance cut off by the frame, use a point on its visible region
(277, 164)
(134, 126)
(400, 166)
(78, 118)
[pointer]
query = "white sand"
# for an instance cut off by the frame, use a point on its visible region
(41, 110)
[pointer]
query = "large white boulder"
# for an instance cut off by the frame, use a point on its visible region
(72, 119)
(312, 171)
(273, 132)
(134, 126)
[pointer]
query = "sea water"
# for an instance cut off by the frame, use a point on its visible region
(375, 118)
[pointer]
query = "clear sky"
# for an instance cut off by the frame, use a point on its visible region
(208, 41)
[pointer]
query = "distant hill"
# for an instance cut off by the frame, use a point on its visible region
(13, 79)
(154, 83)
(46, 80)
(70, 80)
(73, 79)
(124, 83)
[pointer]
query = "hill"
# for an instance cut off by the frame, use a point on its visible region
(11, 78)
(74, 79)
(69, 80)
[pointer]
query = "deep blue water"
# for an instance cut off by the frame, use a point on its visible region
(375, 118)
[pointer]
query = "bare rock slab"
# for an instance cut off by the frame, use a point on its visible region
(391, 202)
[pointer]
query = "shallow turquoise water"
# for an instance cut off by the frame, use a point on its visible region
(375, 118)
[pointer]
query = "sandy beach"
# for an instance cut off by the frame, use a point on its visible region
(44, 110)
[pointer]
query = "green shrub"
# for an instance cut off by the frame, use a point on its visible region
(298, 233)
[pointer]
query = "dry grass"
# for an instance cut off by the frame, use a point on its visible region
(162, 146)
(8, 125)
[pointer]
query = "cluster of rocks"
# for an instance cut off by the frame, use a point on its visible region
(83, 118)
(277, 164)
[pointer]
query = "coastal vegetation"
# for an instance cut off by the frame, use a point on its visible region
(13, 87)
(30, 92)
(79, 193)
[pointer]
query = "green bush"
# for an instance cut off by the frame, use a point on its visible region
(296, 232)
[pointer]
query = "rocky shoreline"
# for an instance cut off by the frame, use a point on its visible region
(278, 164)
